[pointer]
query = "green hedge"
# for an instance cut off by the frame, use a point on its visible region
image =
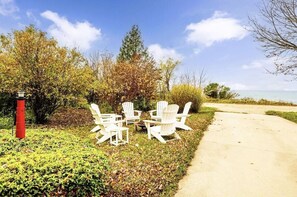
(50, 164)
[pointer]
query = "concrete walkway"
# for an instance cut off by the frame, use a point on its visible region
(244, 155)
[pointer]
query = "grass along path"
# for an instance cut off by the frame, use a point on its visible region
(292, 116)
(147, 167)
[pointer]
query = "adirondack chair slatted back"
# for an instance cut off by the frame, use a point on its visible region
(186, 112)
(169, 116)
(96, 112)
(128, 108)
(98, 118)
(161, 105)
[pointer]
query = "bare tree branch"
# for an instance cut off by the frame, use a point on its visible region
(276, 31)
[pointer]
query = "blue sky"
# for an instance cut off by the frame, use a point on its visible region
(203, 34)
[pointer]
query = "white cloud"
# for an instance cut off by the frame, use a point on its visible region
(160, 53)
(8, 7)
(79, 34)
(217, 28)
(258, 64)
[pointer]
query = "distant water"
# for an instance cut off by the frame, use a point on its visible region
(287, 96)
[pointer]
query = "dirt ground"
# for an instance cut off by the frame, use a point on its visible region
(244, 154)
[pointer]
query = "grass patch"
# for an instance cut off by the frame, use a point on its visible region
(147, 167)
(292, 116)
(250, 101)
(141, 168)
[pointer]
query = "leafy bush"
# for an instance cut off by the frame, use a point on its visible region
(105, 108)
(50, 164)
(6, 122)
(51, 76)
(181, 94)
(7, 103)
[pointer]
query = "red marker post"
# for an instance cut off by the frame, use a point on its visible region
(20, 115)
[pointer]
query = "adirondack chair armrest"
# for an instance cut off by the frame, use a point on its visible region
(182, 115)
(138, 112)
(108, 114)
(112, 122)
(164, 123)
(111, 116)
(156, 122)
(151, 112)
(118, 117)
(151, 121)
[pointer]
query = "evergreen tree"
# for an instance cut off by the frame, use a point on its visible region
(132, 47)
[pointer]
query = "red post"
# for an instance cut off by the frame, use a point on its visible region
(20, 118)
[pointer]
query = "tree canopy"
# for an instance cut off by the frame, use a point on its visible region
(215, 90)
(132, 47)
(136, 82)
(50, 75)
(167, 69)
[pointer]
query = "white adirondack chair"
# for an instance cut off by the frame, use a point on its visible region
(131, 115)
(166, 126)
(108, 127)
(156, 114)
(181, 118)
(105, 117)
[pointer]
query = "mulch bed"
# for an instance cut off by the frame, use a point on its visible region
(71, 117)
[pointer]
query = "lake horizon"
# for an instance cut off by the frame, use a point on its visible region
(273, 95)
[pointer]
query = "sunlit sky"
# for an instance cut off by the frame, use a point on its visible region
(202, 34)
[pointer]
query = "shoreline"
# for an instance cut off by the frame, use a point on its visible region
(289, 96)
(249, 108)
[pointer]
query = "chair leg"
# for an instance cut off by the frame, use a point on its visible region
(177, 136)
(148, 127)
(97, 128)
(184, 127)
(127, 133)
(117, 138)
(104, 138)
(159, 137)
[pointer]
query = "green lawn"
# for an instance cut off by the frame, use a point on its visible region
(148, 167)
(292, 116)
(144, 167)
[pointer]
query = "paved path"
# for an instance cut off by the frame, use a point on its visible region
(244, 155)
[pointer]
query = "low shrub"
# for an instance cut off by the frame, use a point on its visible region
(6, 122)
(105, 108)
(181, 94)
(7, 103)
(50, 164)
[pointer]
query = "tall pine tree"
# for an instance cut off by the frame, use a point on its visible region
(140, 83)
(132, 47)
